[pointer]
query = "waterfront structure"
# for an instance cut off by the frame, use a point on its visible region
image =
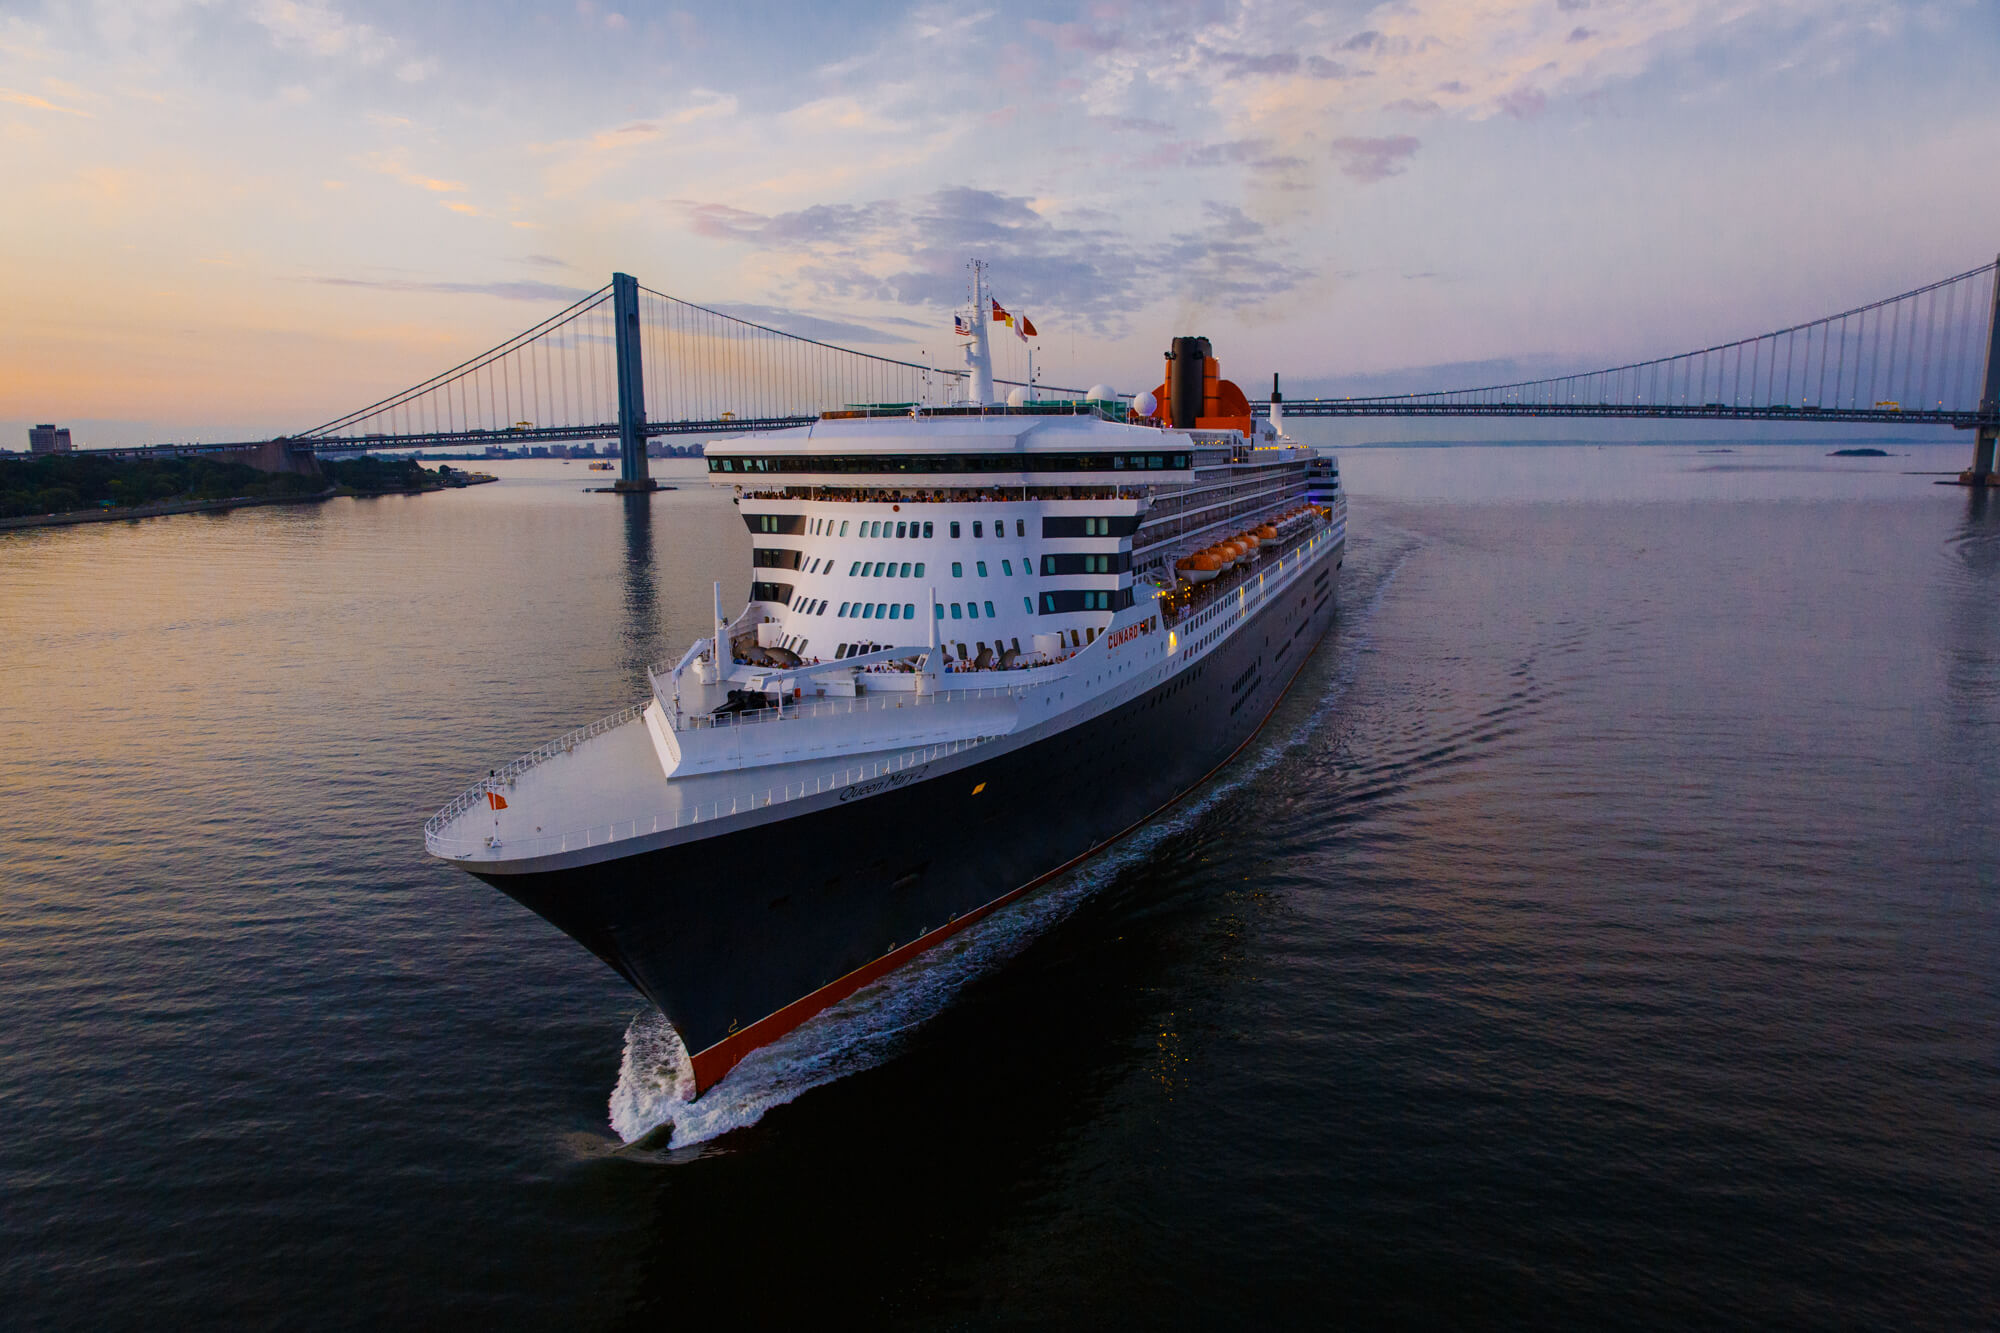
(980, 643)
(48, 439)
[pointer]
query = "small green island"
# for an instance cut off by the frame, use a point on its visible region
(1859, 453)
(68, 488)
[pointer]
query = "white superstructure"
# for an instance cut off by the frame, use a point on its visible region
(921, 586)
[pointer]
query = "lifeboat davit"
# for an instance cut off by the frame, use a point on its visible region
(1199, 567)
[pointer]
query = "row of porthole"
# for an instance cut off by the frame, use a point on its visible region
(889, 528)
(908, 610)
(891, 569)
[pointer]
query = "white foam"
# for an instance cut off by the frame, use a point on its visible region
(656, 1080)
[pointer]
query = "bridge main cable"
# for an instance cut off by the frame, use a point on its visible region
(1934, 384)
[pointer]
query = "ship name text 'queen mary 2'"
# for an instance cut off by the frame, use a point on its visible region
(981, 642)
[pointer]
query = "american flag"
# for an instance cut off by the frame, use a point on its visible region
(960, 327)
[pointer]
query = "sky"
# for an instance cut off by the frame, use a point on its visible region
(229, 218)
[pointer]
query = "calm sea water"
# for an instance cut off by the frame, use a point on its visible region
(1606, 932)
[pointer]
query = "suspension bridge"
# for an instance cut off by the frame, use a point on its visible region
(632, 364)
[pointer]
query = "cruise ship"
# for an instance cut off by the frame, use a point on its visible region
(981, 642)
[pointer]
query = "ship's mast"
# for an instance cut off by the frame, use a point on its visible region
(978, 354)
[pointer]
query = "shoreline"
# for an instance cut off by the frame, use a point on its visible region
(160, 510)
(168, 508)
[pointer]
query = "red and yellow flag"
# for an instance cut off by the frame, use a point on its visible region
(1000, 315)
(496, 800)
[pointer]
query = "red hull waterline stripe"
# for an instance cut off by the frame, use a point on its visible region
(712, 1064)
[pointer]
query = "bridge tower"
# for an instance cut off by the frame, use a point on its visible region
(1989, 398)
(632, 471)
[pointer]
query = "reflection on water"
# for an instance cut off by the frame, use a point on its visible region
(643, 645)
(1605, 933)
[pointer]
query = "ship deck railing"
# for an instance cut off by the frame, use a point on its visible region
(787, 711)
(948, 495)
(504, 776)
(439, 843)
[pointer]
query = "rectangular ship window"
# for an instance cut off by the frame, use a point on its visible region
(954, 530)
(955, 612)
(989, 609)
(920, 569)
(981, 567)
(1020, 527)
(906, 570)
(972, 610)
(1007, 568)
(1028, 605)
(902, 529)
(842, 611)
(957, 569)
(843, 527)
(895, 610)
(927, 529)
(909, 610)
(880, 607)
(976, 528)
(867, 610)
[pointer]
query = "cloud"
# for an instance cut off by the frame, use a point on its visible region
(1523, 103)
(1416, 106)
(395, 170)
(39, 103)
(545, 292)
(1370, 160)
(1580, 34)
(1275, 62)
(815, 327)
(1077, 36)
(1133, 124)
(913, 252)
(544, 261)
(320, 29)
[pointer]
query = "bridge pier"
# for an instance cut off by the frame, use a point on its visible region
(633, 474)
(1981, 473)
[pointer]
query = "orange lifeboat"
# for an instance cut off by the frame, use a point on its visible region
(1199, 567)
(1235, 551)
(1267, 533)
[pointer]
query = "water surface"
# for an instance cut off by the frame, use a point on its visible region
(1606, 931)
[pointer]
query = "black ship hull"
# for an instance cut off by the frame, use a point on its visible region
(739, 937)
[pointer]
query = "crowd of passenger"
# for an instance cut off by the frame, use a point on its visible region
(951, 495)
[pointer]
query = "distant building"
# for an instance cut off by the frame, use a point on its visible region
(48, 439)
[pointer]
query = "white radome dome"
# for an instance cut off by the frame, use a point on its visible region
(1017, 398)
(1101, 393)
(1145, 405)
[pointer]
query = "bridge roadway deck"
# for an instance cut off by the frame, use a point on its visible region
(1888, 416)
(1303, 407)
